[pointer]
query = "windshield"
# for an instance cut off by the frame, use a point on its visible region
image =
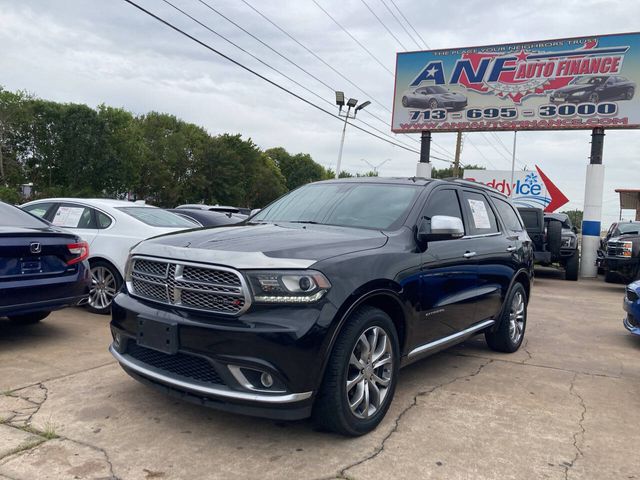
(589, 81)
(629, 227)
(156, 217)
(11, 216)
(378, 206)
(437, 89)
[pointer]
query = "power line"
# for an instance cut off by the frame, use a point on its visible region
(325, 63)
(409, 23)
(262, 42)
(353, 38)
(262, 77)
(400, 23)
(314, 54)
(268, 65)
(480, 152)
(383, 24)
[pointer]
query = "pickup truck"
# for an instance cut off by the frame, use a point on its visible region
(555, 239)
(619, 254)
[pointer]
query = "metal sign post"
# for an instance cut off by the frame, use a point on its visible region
(423, 169)
(592, 206)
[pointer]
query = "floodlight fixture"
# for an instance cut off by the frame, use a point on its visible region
(340, 98)
(362, 105)
(352, 102)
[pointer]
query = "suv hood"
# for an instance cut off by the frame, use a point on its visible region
(285, 245)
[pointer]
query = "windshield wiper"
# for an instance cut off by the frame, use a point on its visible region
(310, 222)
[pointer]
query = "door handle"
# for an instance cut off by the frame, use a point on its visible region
(469, 254)
(511, 248)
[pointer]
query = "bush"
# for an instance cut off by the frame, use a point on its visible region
(10, 195)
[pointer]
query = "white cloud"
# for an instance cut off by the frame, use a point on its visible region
(108, 52)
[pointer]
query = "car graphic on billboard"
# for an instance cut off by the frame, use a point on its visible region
(595, 89)
(434, 97)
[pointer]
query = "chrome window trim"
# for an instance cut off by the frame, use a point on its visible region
(482, 235)
(468, 331)
(246, 293)
(220, 391)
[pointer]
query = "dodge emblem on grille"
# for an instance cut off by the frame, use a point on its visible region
(35, 247)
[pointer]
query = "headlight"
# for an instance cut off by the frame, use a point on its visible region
(578, 93)
(627, 248)
(568, 241)
(287, 286)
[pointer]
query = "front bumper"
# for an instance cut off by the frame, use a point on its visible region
(569, 99)
(632, 321)
(287, 343)
(627, 268)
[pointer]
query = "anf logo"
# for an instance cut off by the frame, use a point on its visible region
(35, 247)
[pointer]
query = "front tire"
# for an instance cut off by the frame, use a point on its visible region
(405, 102)
(29, 318)
(594, 98)
(105, 285)
(361, 375)
(571, 269)
(433, 104)
(628, 95)
(509, 334)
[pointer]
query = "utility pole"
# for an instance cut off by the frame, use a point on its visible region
(456, 162)
(513, 161)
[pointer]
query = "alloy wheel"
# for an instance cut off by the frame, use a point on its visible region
(369, 372)
(103, 287)
(517, 318)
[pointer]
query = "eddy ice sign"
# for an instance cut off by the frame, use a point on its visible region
(529, 188)
(556, 84)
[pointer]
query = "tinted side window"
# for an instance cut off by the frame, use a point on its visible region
(508, 214)
(69, 215)
(531, 219)
(39, 209)
(443, 202)
(483, 220)
(103, 220)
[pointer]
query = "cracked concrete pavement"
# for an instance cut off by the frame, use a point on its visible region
(566, 405)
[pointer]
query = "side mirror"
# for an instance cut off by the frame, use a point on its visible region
(254, 211)
(440, 227)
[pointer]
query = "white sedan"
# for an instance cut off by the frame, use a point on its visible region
(111, 227)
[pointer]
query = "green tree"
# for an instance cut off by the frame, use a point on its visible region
(298, 169)
(575, 216)
(447, 172)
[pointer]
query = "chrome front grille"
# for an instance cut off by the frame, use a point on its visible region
(211, 289)
(616, 249)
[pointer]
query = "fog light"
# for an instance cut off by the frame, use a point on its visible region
(266, 380)
(117, 341)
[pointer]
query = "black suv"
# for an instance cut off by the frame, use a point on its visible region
(555, 239)
(312, 305)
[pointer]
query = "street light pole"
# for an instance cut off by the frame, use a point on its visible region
(344, 131)
(351, 103)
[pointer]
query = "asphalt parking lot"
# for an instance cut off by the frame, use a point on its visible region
(567, 405)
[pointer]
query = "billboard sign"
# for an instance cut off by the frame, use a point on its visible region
(561, 84)
(529, 188)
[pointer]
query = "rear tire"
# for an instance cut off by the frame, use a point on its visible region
(512, 324)
(355, 393)
(105, 285)
(572, 266)
(433, 104)
(29, 318)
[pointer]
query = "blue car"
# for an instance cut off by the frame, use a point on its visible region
(42, 268)
(632, 307)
